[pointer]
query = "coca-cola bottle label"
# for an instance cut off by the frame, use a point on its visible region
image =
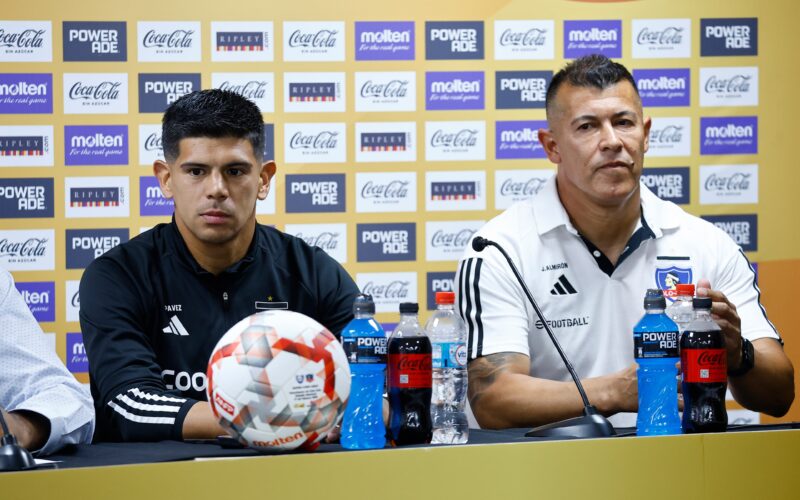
(365, 350)
(410, 371)
(705, 366)
(648, 345)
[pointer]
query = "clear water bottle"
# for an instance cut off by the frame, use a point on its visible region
(655, 341)
(365, 346)
(449, 342)
(681, 311)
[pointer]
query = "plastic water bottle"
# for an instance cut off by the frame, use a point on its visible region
(449, 342)
(365, 346)
(655, 340)
(681, 311)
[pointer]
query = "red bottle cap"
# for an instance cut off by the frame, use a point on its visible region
(445, 297)
(685, 289)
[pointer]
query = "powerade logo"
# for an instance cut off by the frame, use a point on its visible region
(386, 242)
(26, 93)
(95, 41)
(454, 190)
(663, 87)
(159, 90)
(26, 198)
(151, 199)
(729, 37)
(438, 282)
(40, 298)
(454, 90)
(77, 361)
(729, 135)
(743, 229)
(85, 245)
(669, 184)
(384, 41)
(95, 145)
(454, 40)
(521, 89)
(517, 140)
(315, 193)
(592, 37)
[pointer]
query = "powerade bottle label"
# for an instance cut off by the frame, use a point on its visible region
(649, 345)
(449, 355)
(365, 350)
(410, 371)
(705, 366)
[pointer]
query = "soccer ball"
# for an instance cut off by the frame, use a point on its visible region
(278, 380)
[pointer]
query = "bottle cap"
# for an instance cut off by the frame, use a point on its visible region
(685, 289)
(701, 303)
(445, 297)
(409, 307)
(363, 304)
(654, 299)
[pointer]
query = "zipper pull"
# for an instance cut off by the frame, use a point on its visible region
(225, 300)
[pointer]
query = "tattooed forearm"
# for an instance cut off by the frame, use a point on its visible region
(484, 371)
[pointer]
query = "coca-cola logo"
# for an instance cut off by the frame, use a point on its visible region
(737, 83)
(153, 143)
(462, 138)
(458, 239)
(390, 89)
(712, 358)
(391, 190)
(394, 290)
(526, 188)
(76, 300)
(320, 39)
(178, 39)
(251, 90)
(415, 363)
(103, 91)
(26, 39)
(325, 240)
(323, 140)
(669, 134)
(32, 247)
(668, 36)
(534, 37)
(738, 181)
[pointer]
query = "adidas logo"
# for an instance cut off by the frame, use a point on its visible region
(563, 287)
(175, 327)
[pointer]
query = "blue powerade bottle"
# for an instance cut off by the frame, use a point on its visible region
(655, 345)
(364, 344)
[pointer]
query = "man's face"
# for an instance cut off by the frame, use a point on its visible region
(215, 183)
(598, 139)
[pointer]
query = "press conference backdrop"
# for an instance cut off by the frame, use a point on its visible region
(398, 128)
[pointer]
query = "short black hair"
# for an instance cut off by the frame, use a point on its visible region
(212, 113)
(594, 70)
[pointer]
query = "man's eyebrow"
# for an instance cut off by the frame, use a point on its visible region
(194, 164)
(618, 114)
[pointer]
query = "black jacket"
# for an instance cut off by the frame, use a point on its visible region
(150, 316)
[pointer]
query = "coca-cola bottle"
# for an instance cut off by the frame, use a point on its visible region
(704, 372)
(409, 380)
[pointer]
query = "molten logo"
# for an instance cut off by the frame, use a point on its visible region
(279, 441)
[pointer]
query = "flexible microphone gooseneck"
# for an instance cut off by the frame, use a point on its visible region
(592, 423)
(12, 455)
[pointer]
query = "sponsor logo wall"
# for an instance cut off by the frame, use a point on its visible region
(391, 151)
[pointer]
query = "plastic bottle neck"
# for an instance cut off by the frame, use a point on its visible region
(654, 311)
(445, 307)
(362, 315)
(409, 318)
(702, 314)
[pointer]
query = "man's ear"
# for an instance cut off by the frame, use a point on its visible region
(549, 144)
(162, 173)
(648, 122)
(268, 170)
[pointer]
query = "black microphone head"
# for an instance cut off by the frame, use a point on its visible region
(479, 243)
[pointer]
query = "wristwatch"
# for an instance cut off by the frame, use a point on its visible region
(748, 359)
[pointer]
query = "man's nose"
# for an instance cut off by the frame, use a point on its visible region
(217, 186)
(609, 138)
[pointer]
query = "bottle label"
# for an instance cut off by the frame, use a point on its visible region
(449, 355)
(365, 350)
(705, 366)
(648, 345)
(410, 371)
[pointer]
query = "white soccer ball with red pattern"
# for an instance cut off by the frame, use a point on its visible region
(278, 380)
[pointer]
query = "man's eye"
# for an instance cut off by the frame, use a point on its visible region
(625, 122)
(585, 126)
(195, 171)
(235, 172)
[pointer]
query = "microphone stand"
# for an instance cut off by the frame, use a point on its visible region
(13, 456)
(591, 423)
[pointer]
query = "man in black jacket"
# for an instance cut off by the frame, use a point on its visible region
(153, 309)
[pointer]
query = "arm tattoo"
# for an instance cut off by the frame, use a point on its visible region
(483, 372)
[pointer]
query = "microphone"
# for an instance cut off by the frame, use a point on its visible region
(592, 423)
(12, 455)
